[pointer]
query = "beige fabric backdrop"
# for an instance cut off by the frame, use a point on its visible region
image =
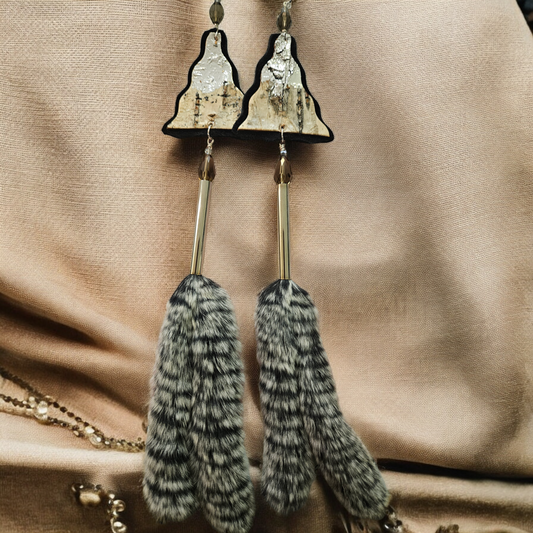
(412, 231)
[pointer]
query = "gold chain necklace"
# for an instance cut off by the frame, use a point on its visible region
(42, 408)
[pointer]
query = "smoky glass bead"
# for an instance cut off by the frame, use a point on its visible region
(216, 12)
(283, 172)
(284, 20)
(207, 170)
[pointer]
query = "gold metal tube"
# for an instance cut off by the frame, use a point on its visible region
(283, 231)
(201, 225)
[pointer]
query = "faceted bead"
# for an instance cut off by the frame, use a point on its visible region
(216, 12)
(283, 172)
(96, 440)
(284, 21)
(40, 411)
(207, 170)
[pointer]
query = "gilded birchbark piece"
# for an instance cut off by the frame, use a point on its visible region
(282, 98)
(212, 96)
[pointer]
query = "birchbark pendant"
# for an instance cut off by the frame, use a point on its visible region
(280, 98)
(212, 95)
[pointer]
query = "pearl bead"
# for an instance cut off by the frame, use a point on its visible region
(89, 498)
(118, 527)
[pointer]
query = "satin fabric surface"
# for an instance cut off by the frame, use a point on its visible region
(411, 231)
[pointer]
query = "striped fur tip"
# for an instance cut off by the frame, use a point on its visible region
(195, 455)
(304, 426)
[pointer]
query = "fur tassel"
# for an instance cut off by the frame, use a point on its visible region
(219, 459)
(195, 452)
(288, 471)
(340, 455)
(168, 486)
(301, 412)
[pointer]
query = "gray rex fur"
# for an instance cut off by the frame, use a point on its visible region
(298, 391)
(195, 452)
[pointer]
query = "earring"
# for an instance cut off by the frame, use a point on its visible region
(304, 427)
(195, 455)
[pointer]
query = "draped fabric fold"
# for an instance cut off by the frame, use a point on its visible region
(412, 231)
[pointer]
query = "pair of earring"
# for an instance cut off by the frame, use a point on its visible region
(195, 455)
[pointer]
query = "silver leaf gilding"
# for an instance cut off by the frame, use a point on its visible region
(281, 98)
(212, 92)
